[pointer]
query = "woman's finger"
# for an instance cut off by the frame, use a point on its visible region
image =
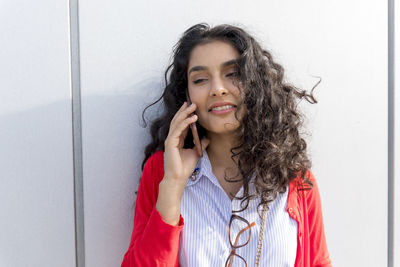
(183, 114)
(183, 137)
(184, 125)
(183, 106)
(179, 131)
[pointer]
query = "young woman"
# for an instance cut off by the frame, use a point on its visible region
(250, 199)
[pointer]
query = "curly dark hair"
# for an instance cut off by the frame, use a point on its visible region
(270, 146)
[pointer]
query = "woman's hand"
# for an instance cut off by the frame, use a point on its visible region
(179, 165)
(180, 162)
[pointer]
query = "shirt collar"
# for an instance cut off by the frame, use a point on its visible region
(205, 170)
(203, 164)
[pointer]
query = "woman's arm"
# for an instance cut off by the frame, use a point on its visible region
(319, 255)
(158, 222)
(154, 242)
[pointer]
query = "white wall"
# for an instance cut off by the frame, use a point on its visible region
(36, 175)
(125, 48)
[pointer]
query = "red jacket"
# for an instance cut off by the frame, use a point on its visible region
(156, 243)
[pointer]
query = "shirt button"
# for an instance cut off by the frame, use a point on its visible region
(290, 210)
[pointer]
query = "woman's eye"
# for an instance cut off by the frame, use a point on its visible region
(232, 74)
(198, 81)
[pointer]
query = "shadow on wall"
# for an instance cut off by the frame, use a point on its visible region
(36, 171)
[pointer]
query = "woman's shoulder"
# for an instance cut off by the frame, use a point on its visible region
(154, 167)
(306, 184)
(299, 180)
(156, 157)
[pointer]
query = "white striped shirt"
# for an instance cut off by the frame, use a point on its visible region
(207, 210)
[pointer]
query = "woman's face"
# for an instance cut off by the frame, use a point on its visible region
(212, 85)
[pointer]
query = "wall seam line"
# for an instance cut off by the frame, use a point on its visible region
(77, 134)
(391, 77)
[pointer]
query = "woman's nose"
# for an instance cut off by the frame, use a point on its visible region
(218, 87)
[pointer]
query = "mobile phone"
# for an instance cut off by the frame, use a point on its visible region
(193, 127)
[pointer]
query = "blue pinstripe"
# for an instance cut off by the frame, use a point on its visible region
(207, 209)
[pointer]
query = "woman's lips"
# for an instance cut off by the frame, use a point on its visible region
(224, 111)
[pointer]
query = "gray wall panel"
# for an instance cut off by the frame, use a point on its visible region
(36, 175)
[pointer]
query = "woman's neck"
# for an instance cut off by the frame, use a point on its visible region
(219, 150)
(219, 154)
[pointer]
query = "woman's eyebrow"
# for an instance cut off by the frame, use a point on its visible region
(225, 64)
